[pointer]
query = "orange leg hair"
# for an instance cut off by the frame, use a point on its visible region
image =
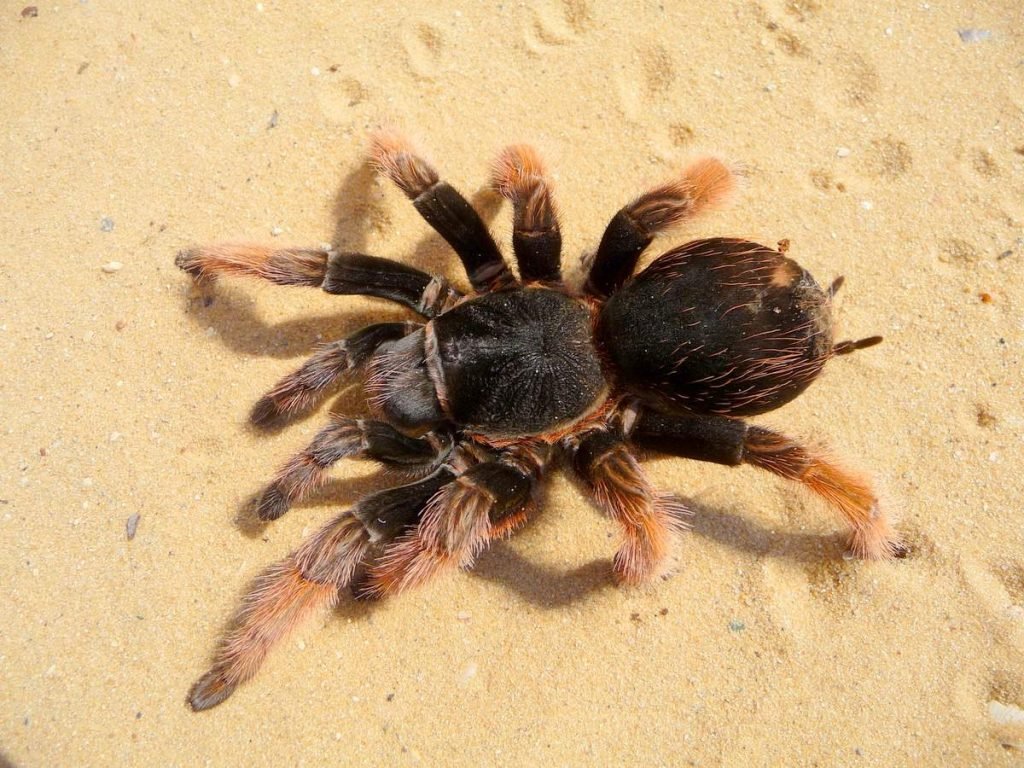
(871, 535)
(519, 176)
(309, 580)
(485, 502)
(647, 518)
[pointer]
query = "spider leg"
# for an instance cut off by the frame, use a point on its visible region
(703, 184)
(519, 176)
(308, 580)
(337, 273)
(307, 470)
(484, 502)
(301, 388)
(729, 441)
(647, 518)
(448, 212)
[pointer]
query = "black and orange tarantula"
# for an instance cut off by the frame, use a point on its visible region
(485, 390)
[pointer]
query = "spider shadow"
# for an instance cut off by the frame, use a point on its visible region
(340, 494)
(742, 534)
(553, 588)
(356, 209)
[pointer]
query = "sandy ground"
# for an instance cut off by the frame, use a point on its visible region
(886, 145)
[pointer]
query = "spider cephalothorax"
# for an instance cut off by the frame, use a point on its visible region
(481, 393)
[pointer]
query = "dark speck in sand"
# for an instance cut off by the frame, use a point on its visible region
(132, 525)
(272, 122)
(29, 12)
(107, 224)
(736, 625)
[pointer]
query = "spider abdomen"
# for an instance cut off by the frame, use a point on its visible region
(719, 326)
(516, 363)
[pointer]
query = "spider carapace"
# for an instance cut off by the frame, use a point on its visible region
(483, 392)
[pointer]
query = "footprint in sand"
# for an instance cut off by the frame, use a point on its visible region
(984, 164)
(339, 97)
(424, 47)
(558, 23)
(645, 81)
(859, 80)
(889, 158)
(787, 41)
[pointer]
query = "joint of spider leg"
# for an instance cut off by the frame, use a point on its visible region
(437, 297)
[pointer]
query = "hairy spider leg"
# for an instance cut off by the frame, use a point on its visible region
(648, 519)
(704, 184)
(344, 437)
(519, 176)
(724, 440)
(303, 387)
(485, 502)
(444, 209)
(337, 273)
(306, 581)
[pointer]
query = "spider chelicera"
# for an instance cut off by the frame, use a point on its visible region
(485, 391)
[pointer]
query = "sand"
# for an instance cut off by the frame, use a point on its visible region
(886, 142)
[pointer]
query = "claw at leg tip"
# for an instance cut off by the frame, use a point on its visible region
(209, 691)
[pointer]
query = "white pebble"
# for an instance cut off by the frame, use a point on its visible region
(234, 80)
(315, 71)
(302, 645)
(843, 152)
(1005, 714)
(111, 267)
(114, 437)
(769, 87)
(469, 672)
(867, 205)
(462, 616)
(275, 231)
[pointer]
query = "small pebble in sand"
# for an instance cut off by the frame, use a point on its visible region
(736, 626)
(132, 525)
(1005, 714)
(272, 122)
(275, 231)
(867, 205)
(843, 152)
(974, 35)
(29, 12)
(468, 672)
(106, 224)
(114, 437)
(112, 266)
(234, 80)
(87, 482)
(120, 325)
(462, 616)
(315, 71)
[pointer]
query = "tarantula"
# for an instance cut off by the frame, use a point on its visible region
(486, 390)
